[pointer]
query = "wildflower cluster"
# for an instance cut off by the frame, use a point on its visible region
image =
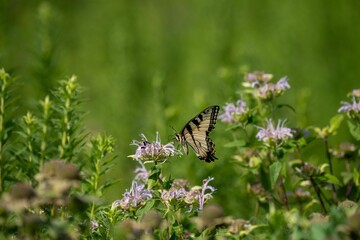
(163, 200)
(153, 152)
(134, 198)
(287, 188)
(274, 136)
(152, 195)
(182, 193)
(352, 109)
(234, 113)
(244, 114)
(264, 89)
(45, 195)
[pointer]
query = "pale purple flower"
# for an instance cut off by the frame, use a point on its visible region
(178, 190)
(199, 195)
(233, 112)
(192, 196)
(115, 204)
(350, 107)
(94, 225)
(133, 198)
(181, 192)
(206, 195)
(274, 135)
(257, 78)
(282, 84)
(266, 91)
(141, 172)
(355, 93)
(270, 90)
(154, 151)
(168, 195)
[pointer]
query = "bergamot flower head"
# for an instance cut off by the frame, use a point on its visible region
(153, 152)
(274, 136)
(234, 112)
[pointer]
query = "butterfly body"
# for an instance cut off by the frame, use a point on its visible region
(196, 134)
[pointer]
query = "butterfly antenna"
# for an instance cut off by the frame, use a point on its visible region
(172, 135)
(173, 129)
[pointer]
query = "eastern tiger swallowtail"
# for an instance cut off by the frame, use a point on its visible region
(196, 134)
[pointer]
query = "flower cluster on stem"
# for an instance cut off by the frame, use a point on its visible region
(153, 152)
(234, 112)
(274, 136)
(181, 192)
(264, 89)
(136, 197)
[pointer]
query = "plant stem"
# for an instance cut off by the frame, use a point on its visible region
(2, 120)
(1, 170)
(317, 190)
(328, 156)
(286, 201)
(351, 182)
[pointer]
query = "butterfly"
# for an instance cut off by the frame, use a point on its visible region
(196, 134)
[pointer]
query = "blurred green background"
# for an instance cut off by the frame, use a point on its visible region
(149, 65)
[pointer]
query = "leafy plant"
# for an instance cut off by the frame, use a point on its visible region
(53, 174)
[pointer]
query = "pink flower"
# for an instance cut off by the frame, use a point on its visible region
(233, 112)
(350, 107)
(274, 135)
(154, 151)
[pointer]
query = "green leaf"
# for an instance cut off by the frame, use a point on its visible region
(238, 143)
(335, 122)
(332, 179)
(155, 173)
(347, 177)
(275, 170)
(356, 176)
(279, 153)
(354, 130)
(148, 206)
(264, 178)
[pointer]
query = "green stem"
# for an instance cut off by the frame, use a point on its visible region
(286, 201)
(1, 170)
(92, 211)
(317, 190)
(328, 156)
(2, 111)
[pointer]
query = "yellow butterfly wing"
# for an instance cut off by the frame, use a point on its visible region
(196, 134)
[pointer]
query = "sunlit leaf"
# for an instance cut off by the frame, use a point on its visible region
(332, 179)
(335, 122)
(149, 204)
(356, 176)
(354, 130)
(275, 170)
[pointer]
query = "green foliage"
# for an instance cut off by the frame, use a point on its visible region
(275, 169)
(51, 132)
(6, 124)
(60, 181)
(289, 190)
(155, 64)
(151, 65)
